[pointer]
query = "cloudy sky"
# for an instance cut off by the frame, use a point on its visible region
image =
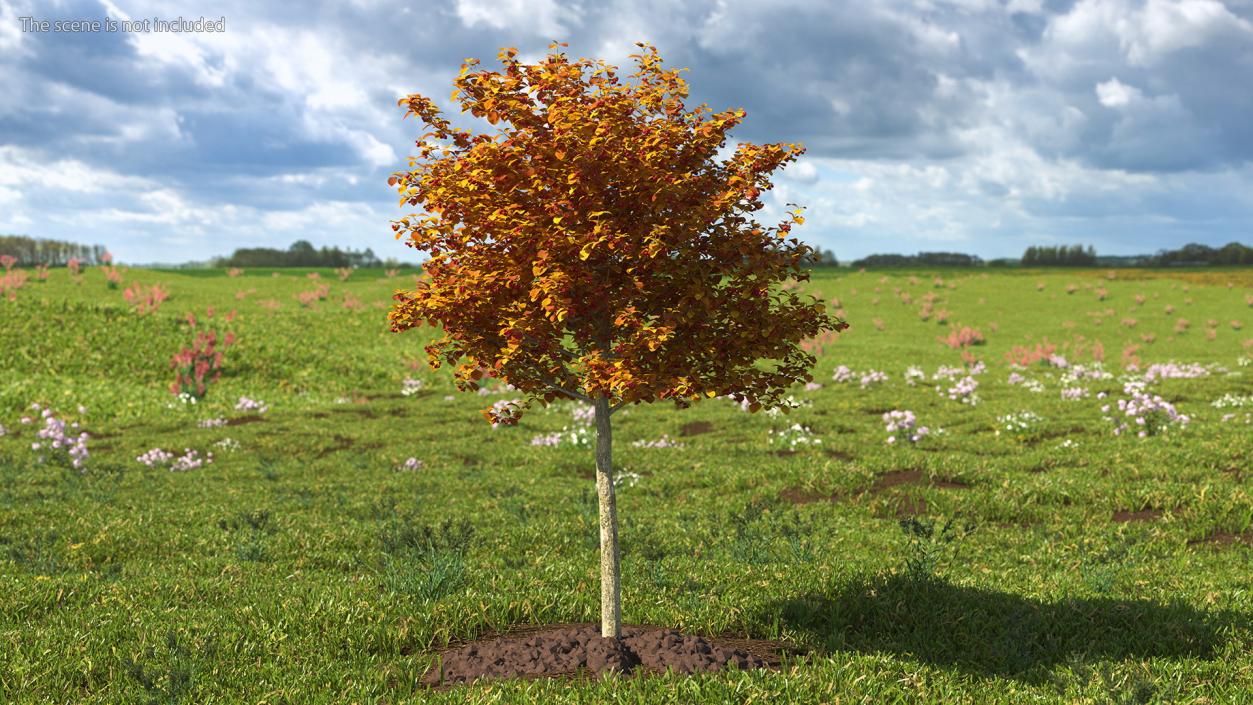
(981, 126)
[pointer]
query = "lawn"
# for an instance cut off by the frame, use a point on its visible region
(354, 523)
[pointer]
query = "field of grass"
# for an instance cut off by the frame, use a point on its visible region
(309, 564)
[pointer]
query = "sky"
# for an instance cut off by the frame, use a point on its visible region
(979, 126)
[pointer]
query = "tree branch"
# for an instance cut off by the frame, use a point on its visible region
(552, 383)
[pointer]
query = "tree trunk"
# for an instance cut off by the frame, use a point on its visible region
(610, 589)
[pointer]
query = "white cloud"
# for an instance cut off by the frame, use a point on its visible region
(538, 17)
(1115, 94)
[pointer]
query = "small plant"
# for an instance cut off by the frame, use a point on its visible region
(578, 437)
(1018, 425)
(112, 276)
(7, 261)
(925, 546)
(873, 377)
(197, 366)
(842, 374)
(246, 404)
(1147, 414)
(234, 272)
(963, 391)
(410, 387)
(962, 338)
(664, 442)
(56, 434)
(11, 281)
(174, 681)
(794, 435)
(905, 424)
(343, 273)
(145, 299)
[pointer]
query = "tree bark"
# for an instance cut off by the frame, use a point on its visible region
(610, 588)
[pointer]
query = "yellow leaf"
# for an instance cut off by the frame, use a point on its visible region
(711, 394)
(586, 251)
(556, 220)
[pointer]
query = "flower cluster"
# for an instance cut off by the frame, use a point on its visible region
(664, 442)
(1226, 401)
(794, 435)
(1018, 424)
(411, 464)
(411, 387)
(963, 391)
(190, 459)
(212, 423)
(1150, 412)
(578, 436)
(1074, 393)
(246, 404)
(843, 374)
(155, 457)
(228, 444)
(812, 386)
(54, 431)
(584, 414)
(627, 476)
(914, 375)
(904, 423)
(788, 402)
(1172, 370)
(1093, 370)
(145, 300)
(946, 372)
(872, 377)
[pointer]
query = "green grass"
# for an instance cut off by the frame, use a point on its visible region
(305, 567)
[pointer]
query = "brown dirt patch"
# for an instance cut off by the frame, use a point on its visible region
(578, 651)
(241, 420)
(695, 428)
(1142, 515)
(838, 454)
(797, 495)
(319, 414)
(896, 478)
(341, 443)
(785, 453)
(1224, 538)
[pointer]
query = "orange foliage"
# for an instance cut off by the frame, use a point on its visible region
(595, 248)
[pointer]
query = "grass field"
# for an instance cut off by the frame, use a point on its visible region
(308, 563)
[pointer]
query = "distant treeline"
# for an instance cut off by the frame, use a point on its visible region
(1191, 255)
(303, 254)
(922, 259)
(1059, 256)
(31, 251)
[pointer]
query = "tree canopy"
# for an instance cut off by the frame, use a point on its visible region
(596, 248)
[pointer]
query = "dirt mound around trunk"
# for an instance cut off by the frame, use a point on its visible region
(574, 650)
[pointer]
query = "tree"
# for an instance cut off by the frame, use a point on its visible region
(596, 251)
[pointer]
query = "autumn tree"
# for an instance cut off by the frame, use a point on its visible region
(595, 250)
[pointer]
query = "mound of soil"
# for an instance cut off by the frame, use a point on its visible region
(565, 650)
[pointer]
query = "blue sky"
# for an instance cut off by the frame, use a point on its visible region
(981, 126)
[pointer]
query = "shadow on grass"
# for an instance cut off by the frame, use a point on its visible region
(998, 634)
